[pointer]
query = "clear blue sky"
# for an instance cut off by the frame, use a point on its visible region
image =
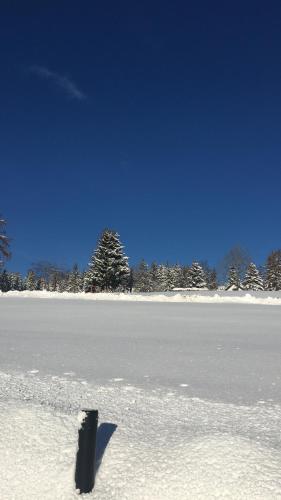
(159, 119)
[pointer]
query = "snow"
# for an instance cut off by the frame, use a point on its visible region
(189, 396)
(200, 296)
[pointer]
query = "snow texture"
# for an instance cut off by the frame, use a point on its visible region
(188, 397)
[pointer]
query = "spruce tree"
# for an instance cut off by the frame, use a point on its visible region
(162, 278)
(15, 281)
(187, 280)
(178, 276)
(153, 274)
(61, 285)
(253, 280)
(233, 278)
(5, 285)
(31, 281)
(273, 271)
(197, 276)
(131, 280)
(212, 279)
(143, 281)
(108, 269)
(74, 284)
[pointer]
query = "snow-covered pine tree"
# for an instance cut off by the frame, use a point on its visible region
(162, 278)
(186, 277)
(142, 278)
(5, 285)
(233, 279)
(54, 284)
(172, 277)
(31, 281)
(273, 271)
(212, 279)
(178, 276)
(253, 280)
(61, 285)
(41, 284)
(153, 273)
(15, 281)
(108, 269)
(197, 276)
(131, 280)
(74, 284)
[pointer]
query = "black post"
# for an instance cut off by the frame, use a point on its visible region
(85, 460)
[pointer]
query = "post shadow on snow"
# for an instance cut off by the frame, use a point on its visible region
(104, 434)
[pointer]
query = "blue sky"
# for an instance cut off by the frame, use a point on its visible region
(161, 120)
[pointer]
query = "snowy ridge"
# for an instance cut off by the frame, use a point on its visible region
(257, 298)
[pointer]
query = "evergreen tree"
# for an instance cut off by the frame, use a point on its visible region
(178, 276)
(197, 276)
(61, 285)
(31, 281)
(187, 279)
(253, 280)
(108, 269)
(153, 274)
(15, 281)
(131, 280)
(171, 278)
(4, 281)
(74, 284)
(41, 284)
(162, 278)
(233, 278)
(143, 281)
(212, 280)
(273, 271)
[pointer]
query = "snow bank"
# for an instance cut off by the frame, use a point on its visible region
(165, 446)
(191, 297)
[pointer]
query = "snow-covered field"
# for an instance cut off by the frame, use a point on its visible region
(189, 396)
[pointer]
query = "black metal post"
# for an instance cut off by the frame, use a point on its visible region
(85, 460)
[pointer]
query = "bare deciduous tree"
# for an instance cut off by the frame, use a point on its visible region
(237, 258)
(4, 241)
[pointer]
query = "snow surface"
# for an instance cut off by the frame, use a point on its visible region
(195, 295)
(189, 394)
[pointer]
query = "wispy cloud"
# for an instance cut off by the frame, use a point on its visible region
(69, 87)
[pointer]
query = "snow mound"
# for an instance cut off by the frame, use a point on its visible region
(187, 297)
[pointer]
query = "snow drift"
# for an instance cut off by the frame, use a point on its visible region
(259, 298)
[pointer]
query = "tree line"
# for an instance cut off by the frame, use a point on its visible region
(109, 271)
